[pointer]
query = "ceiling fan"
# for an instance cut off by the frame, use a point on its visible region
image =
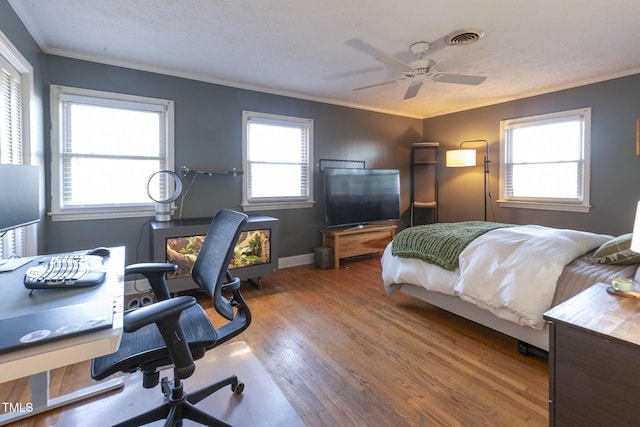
(423, 68)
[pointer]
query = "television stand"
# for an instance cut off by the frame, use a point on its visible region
(348, 242)
(360, 227)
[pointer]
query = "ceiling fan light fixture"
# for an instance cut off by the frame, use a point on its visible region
(419, 48)
(463, 37)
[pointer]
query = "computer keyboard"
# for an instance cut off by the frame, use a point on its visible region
(65, 271)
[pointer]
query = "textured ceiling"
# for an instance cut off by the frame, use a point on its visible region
(323, 50)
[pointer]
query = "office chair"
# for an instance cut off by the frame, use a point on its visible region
(176, 331)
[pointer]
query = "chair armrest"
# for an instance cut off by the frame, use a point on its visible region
(231, 285)
(154, 313)
(166, 315)
(222, 305)
(155, 273)
(150, 267)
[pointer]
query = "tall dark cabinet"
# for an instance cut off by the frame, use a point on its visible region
(424, 183)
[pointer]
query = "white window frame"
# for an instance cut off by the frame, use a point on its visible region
(22, 241)
(581, 204)
(59, 94)
(270, 203)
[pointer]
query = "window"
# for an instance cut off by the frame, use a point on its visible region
(105, 146)
(16, 85)
(277, 161)
(545, 161)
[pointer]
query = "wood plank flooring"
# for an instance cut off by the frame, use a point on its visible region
(346, 354)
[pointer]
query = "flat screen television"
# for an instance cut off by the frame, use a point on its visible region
(355, 197)
(19, 196)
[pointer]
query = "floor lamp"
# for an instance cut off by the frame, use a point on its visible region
(463, 157)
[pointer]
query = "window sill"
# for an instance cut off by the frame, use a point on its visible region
(104, 214)
(566, 207)
(247, 207)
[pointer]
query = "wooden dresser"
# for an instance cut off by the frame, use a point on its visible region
(594, 360)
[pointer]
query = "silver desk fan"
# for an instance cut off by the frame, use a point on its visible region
(159, 184)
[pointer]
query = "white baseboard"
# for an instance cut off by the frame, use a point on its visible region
(294, 261)
(139, 286)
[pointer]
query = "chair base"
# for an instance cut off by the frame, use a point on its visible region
(181, 405)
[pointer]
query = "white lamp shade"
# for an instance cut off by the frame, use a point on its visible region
(635, 240)
(461, 158)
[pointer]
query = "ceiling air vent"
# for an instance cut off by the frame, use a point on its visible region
(462, 38)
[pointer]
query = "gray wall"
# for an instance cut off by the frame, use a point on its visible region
(615, 168)
(208, 134)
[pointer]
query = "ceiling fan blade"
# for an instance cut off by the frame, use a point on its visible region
(458, 61)
(379, 84)
(459, 79)
(412, 90)
(436, 45)
(369, 50)
(394, 62)
(352, 73)
(364, 47)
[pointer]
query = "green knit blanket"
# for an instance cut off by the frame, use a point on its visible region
(440, 244)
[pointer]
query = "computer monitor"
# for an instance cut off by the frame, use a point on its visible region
(19, 196)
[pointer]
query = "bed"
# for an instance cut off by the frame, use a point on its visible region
(503, 276)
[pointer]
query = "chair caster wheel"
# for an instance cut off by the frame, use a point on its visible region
(165, 387)
(238, 389)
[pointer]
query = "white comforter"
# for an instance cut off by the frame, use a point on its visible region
(511, 272)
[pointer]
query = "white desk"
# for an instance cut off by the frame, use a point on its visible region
(36, 361)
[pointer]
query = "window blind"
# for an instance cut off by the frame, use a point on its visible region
(278, 148)
(545, 161)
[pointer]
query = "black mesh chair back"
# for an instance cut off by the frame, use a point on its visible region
(177, 331)
(210, 270)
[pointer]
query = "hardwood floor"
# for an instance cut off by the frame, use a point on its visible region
(346, 354)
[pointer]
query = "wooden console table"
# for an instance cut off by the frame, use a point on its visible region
(353, 241)
(593, 357)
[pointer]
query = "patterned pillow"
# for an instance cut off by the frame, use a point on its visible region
(616, 251)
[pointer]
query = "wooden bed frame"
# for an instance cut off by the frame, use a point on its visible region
(526, 336)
